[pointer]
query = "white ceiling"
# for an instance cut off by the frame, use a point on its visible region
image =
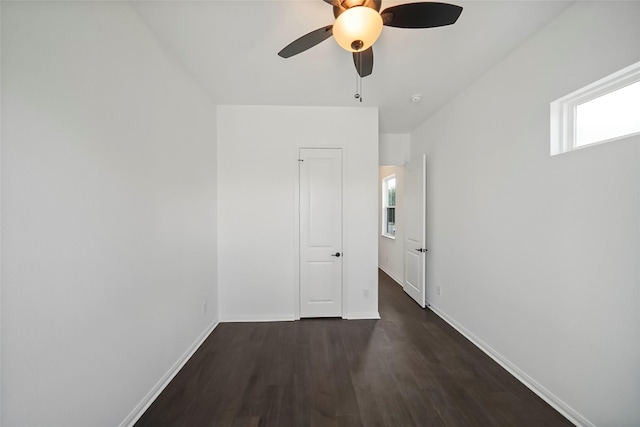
(230, 48)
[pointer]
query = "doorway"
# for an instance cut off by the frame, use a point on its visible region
(320, 232)
(402, 253)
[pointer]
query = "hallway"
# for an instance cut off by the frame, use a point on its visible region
(408, 369)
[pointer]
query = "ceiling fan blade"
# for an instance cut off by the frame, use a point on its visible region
(421, 15)
(364, 62)
(307, 41)
(335, 3)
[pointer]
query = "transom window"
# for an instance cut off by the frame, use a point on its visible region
(389, 206)
(603, 111)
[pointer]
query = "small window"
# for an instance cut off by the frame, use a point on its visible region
(603, 111)
(389, 206)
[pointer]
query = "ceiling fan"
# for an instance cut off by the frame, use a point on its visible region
(359, 22)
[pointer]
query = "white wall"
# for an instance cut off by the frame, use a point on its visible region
(108, 213)
(538, 256)
(391, 251)
(257, 175)
(394, 149)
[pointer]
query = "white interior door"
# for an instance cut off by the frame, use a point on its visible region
(415, 237)
(320, 232)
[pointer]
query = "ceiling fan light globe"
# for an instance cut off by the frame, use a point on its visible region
(357, 24)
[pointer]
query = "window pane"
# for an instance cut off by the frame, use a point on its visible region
(388, 206)
(609, 116)
(391, 192)
(391, 221)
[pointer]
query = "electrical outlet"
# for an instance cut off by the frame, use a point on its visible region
(204, 308)
(438, 290)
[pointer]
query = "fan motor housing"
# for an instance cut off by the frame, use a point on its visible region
(348, 4)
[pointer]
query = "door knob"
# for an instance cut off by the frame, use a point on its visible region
(421, 250)
(337, 254)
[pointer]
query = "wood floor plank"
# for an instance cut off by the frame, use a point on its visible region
(345, 396)
(299, 391)
(323, 381)
(363, 371)
(410, 368)
(349, 421)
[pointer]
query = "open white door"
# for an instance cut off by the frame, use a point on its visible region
(320, 232)
(415, 237)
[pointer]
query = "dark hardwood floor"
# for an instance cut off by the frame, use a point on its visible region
(408, 369)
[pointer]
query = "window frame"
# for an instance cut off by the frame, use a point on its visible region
(386, 205)
(563, 110)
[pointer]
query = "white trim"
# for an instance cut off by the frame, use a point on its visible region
(153, 394)
(388, 273)
(0, 227)
(257, 318)
(363, 316)
(555, 402)
(296, 236)
(344, 157)
(563, 110)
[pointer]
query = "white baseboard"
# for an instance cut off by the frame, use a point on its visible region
(144, 404)
(363, 316)
(388, 273)
(290, 318)
(567, 411)
(251, 318)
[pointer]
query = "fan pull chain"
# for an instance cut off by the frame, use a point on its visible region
(358, 94)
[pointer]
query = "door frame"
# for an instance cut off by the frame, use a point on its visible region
(296, 228)
(422, 301)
